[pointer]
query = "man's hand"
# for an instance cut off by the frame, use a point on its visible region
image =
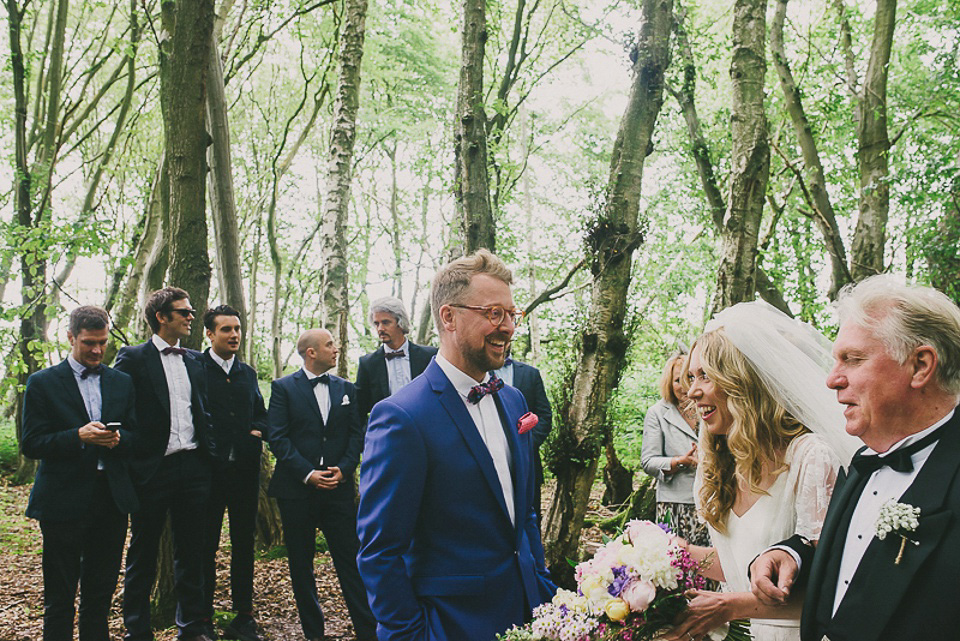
(772, 575)
(256, 433)
(95, 433)
(326, 479)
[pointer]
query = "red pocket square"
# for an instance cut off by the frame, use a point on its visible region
(527, 422)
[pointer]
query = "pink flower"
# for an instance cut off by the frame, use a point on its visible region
(527, 422)
(639, 594)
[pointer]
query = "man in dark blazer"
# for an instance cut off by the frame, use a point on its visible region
(449, 543)
(78, 420)
(897, 372)
(315, 432)
(396, 362)
(239, 419)
(527, 379)
(172, 466)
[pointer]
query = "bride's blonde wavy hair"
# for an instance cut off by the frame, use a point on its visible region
(760, 432)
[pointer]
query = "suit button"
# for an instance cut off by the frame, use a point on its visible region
(228, 380)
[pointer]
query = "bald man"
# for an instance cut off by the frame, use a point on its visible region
(315, 432)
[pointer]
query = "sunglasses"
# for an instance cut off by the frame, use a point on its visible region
(185, 312)
(496, 314)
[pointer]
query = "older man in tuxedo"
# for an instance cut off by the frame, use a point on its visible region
(450, 548)
(315, 432)
(396, 362)
(172, 467)
(78, 419)
(897, 373)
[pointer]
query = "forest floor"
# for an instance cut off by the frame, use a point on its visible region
(21, 585)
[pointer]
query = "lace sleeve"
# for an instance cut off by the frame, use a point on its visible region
(816, 473)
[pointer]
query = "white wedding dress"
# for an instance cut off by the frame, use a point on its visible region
(796, 503)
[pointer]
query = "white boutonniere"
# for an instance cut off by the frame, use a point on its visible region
(900, 519)
(346, 400)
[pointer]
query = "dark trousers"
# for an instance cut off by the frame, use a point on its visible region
(85, 551)
(235, 489)
(335, 513)
(181, 488)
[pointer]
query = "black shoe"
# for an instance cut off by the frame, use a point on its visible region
(244, 628)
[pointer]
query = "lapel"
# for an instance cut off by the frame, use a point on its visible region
(107, 389)
(879, 585)
(452, 402)
(195, 372)
(517, 469)
(674, 417)
(301, 383)
(71, 389)
(157, 377)
(336, 395)
(519, 376)
(382, 379)
(419, 359)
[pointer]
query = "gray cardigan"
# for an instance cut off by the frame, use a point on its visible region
(665, 435)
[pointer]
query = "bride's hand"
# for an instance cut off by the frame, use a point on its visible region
(705, 612)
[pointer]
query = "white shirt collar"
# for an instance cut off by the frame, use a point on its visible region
(403, 348)
(310, 375)
(225, 365)
(161, 344)
(75, 365)
(913, 438)
(461, 381)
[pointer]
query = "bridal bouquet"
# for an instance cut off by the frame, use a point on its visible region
(631, 590)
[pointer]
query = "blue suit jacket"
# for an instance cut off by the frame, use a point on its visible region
(438, 554)
(299, 438)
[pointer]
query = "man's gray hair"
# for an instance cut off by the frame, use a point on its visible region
(904, 316)
(394, 306)
(453, 279)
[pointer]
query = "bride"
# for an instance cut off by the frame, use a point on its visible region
(772, 441)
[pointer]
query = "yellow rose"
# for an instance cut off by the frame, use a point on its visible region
(616, 609)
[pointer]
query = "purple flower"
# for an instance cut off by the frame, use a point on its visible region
(620, 579)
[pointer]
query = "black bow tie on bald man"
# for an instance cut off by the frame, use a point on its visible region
(323, 378)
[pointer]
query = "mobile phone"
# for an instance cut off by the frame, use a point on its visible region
(113, 427)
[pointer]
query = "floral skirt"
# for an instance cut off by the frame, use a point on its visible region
(682, 518)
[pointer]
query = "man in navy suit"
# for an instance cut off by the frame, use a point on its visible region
(315, 432)
(449, 544)
(527, 379)
(396, 362)
(172, 467)
(78, 419)
(897, 373)
(239, 419)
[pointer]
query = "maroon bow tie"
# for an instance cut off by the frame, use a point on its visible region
(397, 354)
(477, 392)
(91, 371)
(179, 351)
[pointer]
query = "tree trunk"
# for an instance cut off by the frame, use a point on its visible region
(184, 64)
(471, 184)
(269, 530)
(750, 157)
(942, 249)
(333, 243)
(583, 429)
(873, 158)
(222, 202)
(814, 178)
(617, 479)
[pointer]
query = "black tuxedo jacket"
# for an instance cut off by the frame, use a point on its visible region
(142, 363)
(527, 379)
(236, 407)
(299, 438)
(53, 411)
(373, 384)
(917, 599)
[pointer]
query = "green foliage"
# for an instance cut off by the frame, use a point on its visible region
(8, 447)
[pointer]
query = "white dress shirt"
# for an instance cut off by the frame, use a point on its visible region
(487, 420)
(398, 369)
(886, 484)
(182, 434)
(89, 389)
(322, 392)
(225, 365)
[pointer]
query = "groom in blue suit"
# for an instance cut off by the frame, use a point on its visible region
(449, 544)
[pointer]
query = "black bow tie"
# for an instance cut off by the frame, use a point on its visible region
(397, 354)
(179, 351)
(899, 460)
(477, 392)
(323, 378)
(91, 371)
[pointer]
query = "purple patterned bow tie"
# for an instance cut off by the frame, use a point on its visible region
(397, 354)
(179, 351)
(477, 392)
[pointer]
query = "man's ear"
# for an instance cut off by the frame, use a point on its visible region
(924, 362)
(448, 318)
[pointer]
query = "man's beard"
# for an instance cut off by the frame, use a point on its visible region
(483, 360)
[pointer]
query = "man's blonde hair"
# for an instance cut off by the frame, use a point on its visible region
(453, 279)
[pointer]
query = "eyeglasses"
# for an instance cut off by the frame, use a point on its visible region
(496, 314)
(184, 311)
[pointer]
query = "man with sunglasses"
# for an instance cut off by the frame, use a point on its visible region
(449, 543)
(172, 467)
